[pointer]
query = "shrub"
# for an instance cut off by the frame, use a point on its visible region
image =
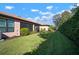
(33, 32)
(24, 31)
(51, 28)
(44, 34)
(71, 27)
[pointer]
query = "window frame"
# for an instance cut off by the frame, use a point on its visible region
(3, 26)
(7, 25)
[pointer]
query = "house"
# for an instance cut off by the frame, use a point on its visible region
(44, 27)
(10, 25)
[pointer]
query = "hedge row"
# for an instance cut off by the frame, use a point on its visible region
(71, 27)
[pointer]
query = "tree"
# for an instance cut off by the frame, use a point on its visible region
(73, 10)
(71, 27)
(59, 19)
(64, 17)
(56, 20)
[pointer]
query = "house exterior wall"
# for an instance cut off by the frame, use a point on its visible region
(33, 29)
(46, 28)
(16, 30)
(21, 24)
(30, 26)
(36, 27)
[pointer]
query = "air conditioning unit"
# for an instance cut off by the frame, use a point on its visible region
(0, 35)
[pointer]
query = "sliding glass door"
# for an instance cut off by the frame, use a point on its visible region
(2, 25)
(7, 25)
(10, 25)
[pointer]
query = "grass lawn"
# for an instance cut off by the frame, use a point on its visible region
(57, 44)
(20, 45)
(54, 43)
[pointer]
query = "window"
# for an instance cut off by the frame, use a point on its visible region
(2, 25)
(44, 28)
(10, 25)
(7, 25)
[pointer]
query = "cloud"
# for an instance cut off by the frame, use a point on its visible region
(34, 10)
(23, 8)
(49, 7)
(9, 7)
(46, 18)
(29, 18)
(37, 18)
(60, 12)
(72, 6)
(77, 4)
(45, 13)
(63, 11)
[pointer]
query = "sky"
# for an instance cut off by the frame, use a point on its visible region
(39, 12)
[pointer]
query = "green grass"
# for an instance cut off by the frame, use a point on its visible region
(20, 45)
(54, 43)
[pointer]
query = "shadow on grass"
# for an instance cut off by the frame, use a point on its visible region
(55, 44)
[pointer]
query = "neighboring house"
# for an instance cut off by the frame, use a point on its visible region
(44, 27)
(10, 25)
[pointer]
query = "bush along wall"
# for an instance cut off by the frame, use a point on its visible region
(24, 31)
(71, 27)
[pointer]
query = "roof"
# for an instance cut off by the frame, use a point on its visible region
(14, 16)
(20, 18)
(45, 25)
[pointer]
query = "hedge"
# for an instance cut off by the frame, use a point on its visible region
(71, 27)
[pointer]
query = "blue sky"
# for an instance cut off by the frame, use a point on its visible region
(38, 12)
